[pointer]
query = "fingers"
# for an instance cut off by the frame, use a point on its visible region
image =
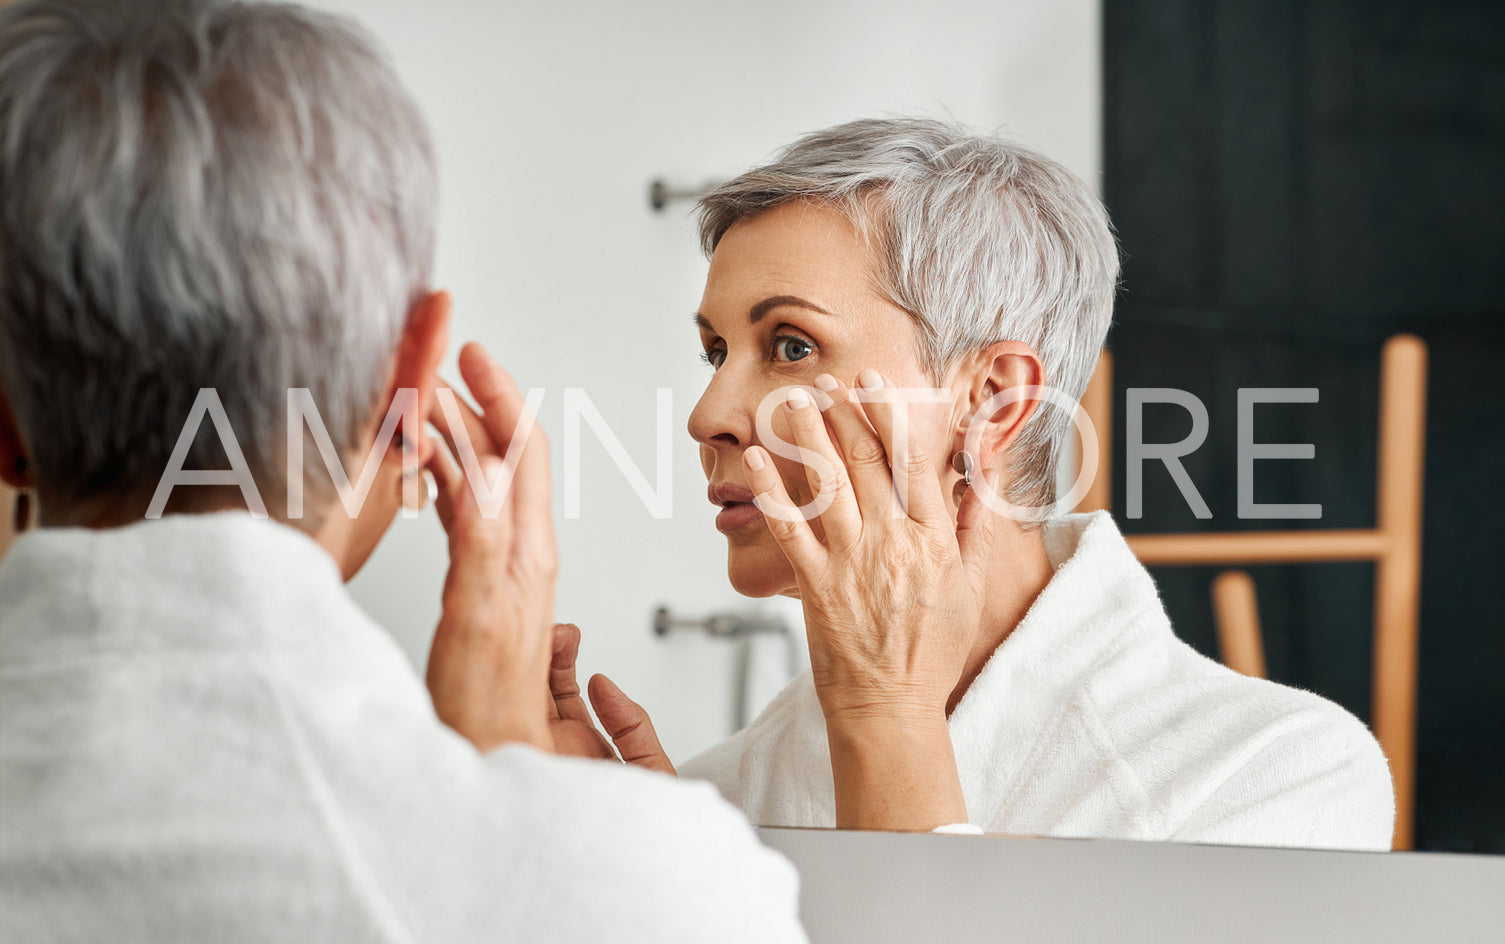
(517, 487)
(501, 403)
(829, 481)
(976, 526)
(562, 685)
(446, 480)
(783, 518)
(574, 732)
(575, 739)
(629, 726)
(532, 494)
(513, 428)
(488, 477)
(883, 407)
(863, 453)
(471, 429)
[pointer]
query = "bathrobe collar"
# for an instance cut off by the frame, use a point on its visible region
(248, 576)
(1099, 590)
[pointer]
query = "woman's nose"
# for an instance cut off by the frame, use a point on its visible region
(721, 417)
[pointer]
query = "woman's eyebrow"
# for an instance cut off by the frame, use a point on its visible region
(758, 311)
(761, 309)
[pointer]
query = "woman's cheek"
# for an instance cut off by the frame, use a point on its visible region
(795, 479)
(801, 493)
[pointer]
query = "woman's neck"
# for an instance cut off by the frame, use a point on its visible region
(1019, 572)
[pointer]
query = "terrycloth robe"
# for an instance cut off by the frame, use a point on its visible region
(203, 738)
(1093, 719)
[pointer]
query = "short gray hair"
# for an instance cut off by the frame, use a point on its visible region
(199, 194)
(980, 240)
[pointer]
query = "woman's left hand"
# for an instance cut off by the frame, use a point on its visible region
(892, 597)
(489, 662)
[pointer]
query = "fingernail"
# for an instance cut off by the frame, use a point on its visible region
(870, 379)
(754, 460)
(826, 383)
(798, 399)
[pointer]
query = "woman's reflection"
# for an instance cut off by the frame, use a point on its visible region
(969, 667)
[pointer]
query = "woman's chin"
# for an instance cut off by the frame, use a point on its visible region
(759, 571)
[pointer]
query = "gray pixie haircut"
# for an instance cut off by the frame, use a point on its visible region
(979, 240)
(199, 194)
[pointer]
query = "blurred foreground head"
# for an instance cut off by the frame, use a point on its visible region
(198, 194)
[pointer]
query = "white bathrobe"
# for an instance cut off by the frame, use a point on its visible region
(202, 738)
(1094, 720)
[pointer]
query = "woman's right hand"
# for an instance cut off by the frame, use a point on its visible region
(625, 720)
(488, 668)
(892, 594)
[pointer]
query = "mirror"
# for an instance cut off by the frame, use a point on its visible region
(1029, 677)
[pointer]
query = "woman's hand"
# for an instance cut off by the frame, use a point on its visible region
(624, 719)
(892, 598)
(488, 669)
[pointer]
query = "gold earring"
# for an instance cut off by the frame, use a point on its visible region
(963, 463)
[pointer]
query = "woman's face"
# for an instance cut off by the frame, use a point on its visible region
(791, 294)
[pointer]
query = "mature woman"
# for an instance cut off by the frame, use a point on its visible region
(210, 212)
(885, 303)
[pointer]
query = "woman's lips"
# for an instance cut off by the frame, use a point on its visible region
(736, 515)
(737, 509)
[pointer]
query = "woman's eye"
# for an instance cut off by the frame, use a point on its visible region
(789, 348)
(715, 357)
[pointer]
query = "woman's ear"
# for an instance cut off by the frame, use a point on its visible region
(425, 339)
(999, 383)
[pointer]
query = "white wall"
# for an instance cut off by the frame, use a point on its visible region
(550, 122)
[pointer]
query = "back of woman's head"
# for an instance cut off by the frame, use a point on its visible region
(198, 194)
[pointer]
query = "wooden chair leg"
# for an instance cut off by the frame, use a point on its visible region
(1397, 577)
(1236, 611)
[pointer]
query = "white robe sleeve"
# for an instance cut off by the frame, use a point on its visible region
(1323, 784)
